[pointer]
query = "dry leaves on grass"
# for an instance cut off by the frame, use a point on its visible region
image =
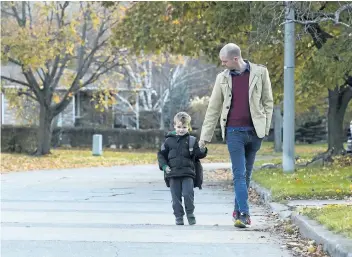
(79, 158)
(343, 161)
(63, 158)
(293, 240)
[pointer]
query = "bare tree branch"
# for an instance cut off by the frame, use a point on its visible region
(81, 51)
(28, 94)
(88, 60)
(40, 76)
(96, 75)
(14, 61)
(20, 21)
(24, 17)
(56, 77)
(60, 16)
(325, 17)
(33, 84)
(191, 74)
(15, 81)
(162, 100)
(125, 101)
(55, 65)
(30, 15)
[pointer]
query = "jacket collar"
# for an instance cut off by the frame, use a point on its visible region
(253, 76)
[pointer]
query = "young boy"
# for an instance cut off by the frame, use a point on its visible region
(177, 163)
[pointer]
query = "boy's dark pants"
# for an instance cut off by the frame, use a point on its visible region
(179, 187)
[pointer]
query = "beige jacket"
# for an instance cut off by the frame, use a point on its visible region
(260, 102)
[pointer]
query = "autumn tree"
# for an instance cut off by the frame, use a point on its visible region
(324, 66)
(201, 28)
(57, 45)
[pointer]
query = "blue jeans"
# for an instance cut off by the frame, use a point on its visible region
(242, 146)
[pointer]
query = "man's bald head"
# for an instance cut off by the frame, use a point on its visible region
(230, 51)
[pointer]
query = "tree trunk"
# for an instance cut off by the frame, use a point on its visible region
(45, 131)
(338, 102)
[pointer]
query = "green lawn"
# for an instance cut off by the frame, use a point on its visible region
(319, 183)
(337, 218)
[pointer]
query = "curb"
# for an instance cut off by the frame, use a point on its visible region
(282, 210)
(335, 245)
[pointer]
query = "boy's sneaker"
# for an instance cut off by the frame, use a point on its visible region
(179, 221)
(243, 221)
(191, 219)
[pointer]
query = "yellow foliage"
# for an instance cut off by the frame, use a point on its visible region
(56, 99)
(95, 19)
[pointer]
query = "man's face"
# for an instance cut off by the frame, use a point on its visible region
(230, 63)
(181, 129)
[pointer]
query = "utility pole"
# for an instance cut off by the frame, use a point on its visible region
(288, 158)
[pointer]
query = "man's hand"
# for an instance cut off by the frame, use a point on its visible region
(202, 144)
(167, 170)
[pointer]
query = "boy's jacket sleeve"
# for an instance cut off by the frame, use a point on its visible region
(162, 156)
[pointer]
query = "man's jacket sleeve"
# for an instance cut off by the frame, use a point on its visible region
(267, 98)
(213, 112)
(162, 156)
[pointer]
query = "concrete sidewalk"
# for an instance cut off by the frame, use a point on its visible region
(120, 211)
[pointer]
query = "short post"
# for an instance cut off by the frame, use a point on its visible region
(349, 140)
(97, 145)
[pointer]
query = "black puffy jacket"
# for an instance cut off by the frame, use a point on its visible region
(175, 153)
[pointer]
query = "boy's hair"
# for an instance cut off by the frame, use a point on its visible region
(183, 117)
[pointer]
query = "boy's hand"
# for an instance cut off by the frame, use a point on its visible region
(167, 170)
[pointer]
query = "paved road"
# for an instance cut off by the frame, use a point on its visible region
(121, 211)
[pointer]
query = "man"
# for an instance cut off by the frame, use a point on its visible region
(242, 98)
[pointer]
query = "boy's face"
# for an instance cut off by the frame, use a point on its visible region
(181, 129)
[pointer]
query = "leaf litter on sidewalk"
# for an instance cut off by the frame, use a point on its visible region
(287, 232)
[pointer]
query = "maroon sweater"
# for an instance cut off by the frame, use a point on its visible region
(239, 114)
